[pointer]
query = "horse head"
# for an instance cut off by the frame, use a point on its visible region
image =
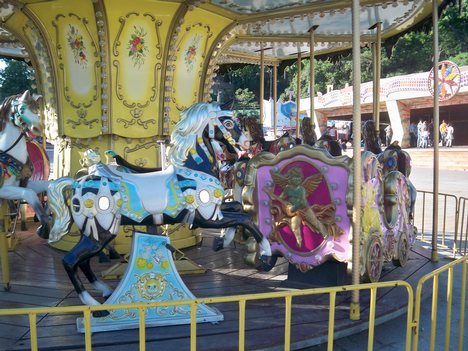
(308, 133)
(25, 113)
(228, 131)
(252, 128)
(200, 125)
(370, 137)
(285, 142)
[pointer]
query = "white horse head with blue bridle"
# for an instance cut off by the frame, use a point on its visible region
(19, 118)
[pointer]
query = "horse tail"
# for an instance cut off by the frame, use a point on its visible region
(56, 199)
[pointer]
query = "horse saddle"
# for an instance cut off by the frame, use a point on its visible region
(155, 192)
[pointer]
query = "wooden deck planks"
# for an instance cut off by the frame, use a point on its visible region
(38, 279)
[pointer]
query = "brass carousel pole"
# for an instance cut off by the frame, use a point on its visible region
(275, 96)
(435, 204)
(298, 99)
(355, 309)
(312, 74)
(262, 80)
(376, 47)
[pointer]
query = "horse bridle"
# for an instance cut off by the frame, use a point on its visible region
(215, 122)
(212, 124)
(17, 113)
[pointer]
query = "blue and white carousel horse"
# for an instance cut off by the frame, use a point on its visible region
(19, 117)
(187, 191)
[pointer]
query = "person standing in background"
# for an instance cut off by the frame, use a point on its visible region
(388, 135)
(443, 132)
(420, 126)
(449, 135)
(413, 130)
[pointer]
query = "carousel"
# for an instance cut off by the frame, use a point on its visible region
(124, 93)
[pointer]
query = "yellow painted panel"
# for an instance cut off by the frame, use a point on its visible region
(197, 35)
(72, 38)
(144, 152)
(138, 33)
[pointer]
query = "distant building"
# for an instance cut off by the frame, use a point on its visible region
(403, 99)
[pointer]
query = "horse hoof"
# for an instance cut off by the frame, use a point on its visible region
(100, 314)
(218, 243)
(43, 231)
(267, 263)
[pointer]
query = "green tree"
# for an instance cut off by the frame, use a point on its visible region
(460, 59)
(245, 99)
(14, 78)
(411, 54)
(453, 31)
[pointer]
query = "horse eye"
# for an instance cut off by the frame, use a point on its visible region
(228, 124)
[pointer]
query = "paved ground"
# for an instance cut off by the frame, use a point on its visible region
(391, 335)
(450, 182)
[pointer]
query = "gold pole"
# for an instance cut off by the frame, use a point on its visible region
(378, 46)
(275, 96)
(355, 309)
(435, 203)
(4, 245)
(374, 84)
(262, 80)
(298, 98)
(312, 74)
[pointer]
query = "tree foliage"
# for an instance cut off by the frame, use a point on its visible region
(245, 99)
(15, 78)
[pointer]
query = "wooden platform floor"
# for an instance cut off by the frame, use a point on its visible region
(38, 280)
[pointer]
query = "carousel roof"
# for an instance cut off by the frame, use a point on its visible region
(282, 26)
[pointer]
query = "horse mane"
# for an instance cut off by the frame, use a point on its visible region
(184, 137)
(334, 146)
(254, 127)
(5, 109)
(308, 133)
(370, 137)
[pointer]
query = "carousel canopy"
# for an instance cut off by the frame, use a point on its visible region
(281, 27)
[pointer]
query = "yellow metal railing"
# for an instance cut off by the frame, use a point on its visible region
(435, 275)
(242, 300)
(461, 234)
(448, 217)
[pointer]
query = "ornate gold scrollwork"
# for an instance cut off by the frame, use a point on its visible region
(82, 113)
(141, 162)
(146, 146)
(136, 114)
(157, 24)
(122, 21)
(78, 143)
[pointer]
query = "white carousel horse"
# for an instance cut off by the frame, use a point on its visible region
(19, 116)
(187, 191)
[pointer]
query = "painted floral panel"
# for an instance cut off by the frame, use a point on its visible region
(191, 53)
(77, 46)
(137, 46)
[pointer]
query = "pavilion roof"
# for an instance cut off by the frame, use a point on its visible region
(282, 27)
